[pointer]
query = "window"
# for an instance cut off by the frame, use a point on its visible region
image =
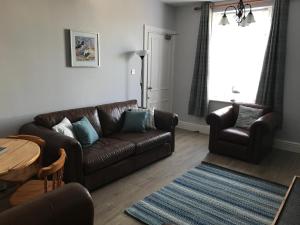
(236, 56)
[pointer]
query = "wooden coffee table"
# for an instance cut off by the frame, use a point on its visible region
(18, 160)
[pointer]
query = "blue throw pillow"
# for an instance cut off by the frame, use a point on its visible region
(135, 121)
(85, 132)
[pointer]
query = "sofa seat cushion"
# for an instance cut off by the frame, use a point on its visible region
(106, 152)
(235, 135)
(145, 141)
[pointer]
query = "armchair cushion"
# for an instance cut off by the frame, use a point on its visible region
(247, 116)
(235, 135)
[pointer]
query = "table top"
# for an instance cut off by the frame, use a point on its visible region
(18, 154)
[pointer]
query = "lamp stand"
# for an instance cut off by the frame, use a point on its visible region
(142, 81)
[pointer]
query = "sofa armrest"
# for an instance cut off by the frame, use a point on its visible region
(267, 123)
(222, 118)
(165, 121)
(70, 204)
(55, 141)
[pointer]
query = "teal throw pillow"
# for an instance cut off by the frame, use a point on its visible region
(135, 121)
(150, 122)
(85, 132)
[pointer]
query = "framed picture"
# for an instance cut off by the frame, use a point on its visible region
(85, 49)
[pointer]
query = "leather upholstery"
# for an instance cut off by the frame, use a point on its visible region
(50, 119)
(166, 121)
(145, 141)
(112, 115)
(115, 155)
(250, 145)
(54, 141)
(235, 135)
(70, 204)
(125, 167)
(106, 152)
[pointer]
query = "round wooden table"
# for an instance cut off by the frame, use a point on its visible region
(18, 160)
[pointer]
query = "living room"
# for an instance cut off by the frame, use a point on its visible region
(174, 59)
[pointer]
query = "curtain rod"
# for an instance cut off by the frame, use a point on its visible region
(228, 3)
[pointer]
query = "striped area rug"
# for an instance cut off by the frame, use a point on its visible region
(211, 195)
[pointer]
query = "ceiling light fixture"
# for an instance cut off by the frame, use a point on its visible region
(240, 15)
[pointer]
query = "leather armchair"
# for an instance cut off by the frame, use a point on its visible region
(246, 144)
(70, 204)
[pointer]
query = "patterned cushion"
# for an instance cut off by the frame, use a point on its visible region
(247, 116)
(64, 127)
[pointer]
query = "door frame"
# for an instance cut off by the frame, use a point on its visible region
(151, 29)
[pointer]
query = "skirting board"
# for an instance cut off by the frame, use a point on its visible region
(201, 128)
(204, 129)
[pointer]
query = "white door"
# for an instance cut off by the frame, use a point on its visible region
(159, 85)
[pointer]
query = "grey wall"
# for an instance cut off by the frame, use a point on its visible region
(291, 126)
(187, 22)
(187, 26)
(33, 73)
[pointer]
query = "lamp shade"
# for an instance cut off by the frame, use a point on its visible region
(250, 18)
(224, 21)
(244, 22)
(142, 52)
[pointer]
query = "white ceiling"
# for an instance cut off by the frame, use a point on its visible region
(182, 2)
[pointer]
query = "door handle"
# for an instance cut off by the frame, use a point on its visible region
(149, 88)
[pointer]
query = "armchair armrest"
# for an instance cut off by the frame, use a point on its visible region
(70, 204)
(55, 141)
(222, 118)
(165, 121)
(268, 122)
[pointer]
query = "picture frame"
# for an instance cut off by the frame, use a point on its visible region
(85, 49)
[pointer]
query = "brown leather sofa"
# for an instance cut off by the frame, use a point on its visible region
(249, 145)
(116, 154)
(69, 205)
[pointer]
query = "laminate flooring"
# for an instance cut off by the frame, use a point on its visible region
(191, 149)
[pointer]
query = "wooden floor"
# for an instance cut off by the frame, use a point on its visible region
(191, 148)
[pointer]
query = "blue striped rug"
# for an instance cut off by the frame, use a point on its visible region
(211, 195)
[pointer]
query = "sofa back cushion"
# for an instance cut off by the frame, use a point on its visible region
(51, 119)
(112, 115)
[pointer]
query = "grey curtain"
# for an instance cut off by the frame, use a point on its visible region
(198, 96)
(271, 86)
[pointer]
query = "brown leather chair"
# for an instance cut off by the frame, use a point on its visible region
(71, 204)
(246, 144)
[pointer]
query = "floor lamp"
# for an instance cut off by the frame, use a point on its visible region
(142, 54)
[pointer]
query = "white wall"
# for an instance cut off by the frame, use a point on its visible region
(34, 77)
(187, 24)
